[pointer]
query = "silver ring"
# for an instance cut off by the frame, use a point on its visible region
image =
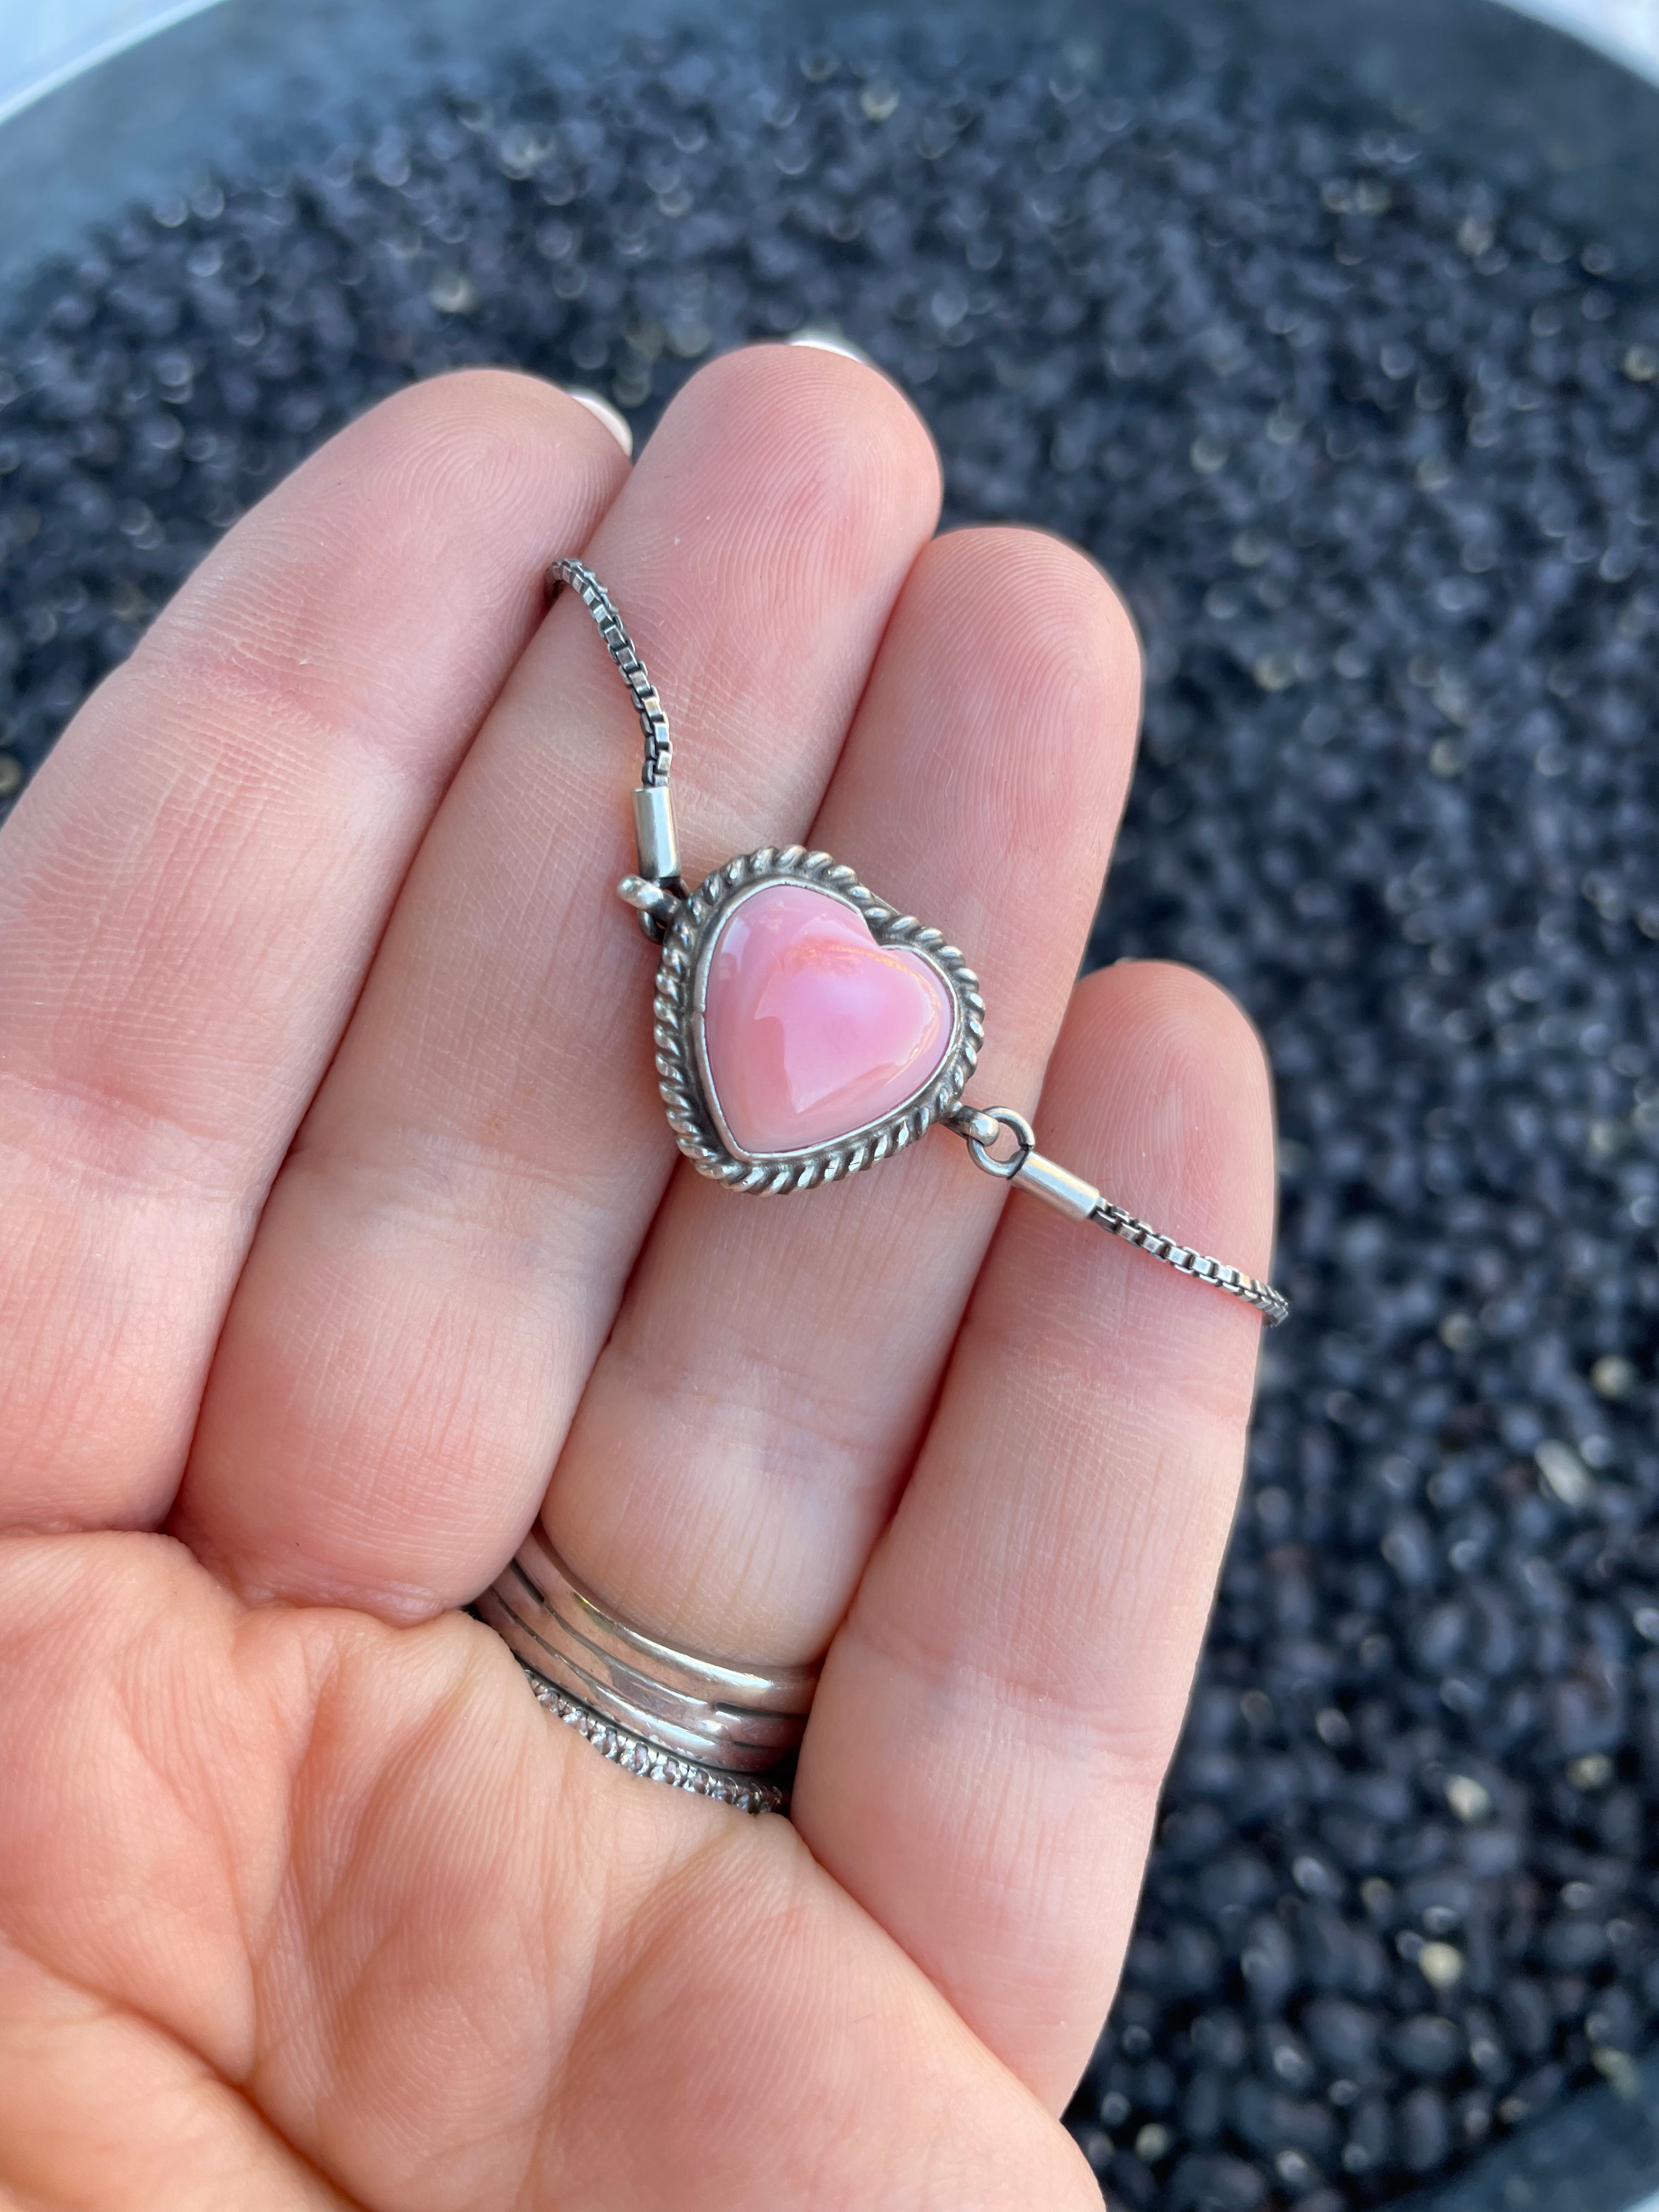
(973, 1126)
(747, 1793)
(665, 1707)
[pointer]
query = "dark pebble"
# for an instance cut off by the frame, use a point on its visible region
(1343, 2034)
(1269, 2121)
(1220, 2039)
(1570, 1944)
(1204, 2182)
(1527, 2015)
(1425, 2131)
(1204, 2106)
(1267, 1963)
(1615, 2021)
(1129, 2182)
(1369, 2149)
(1427, 2045)
(1287, 2058)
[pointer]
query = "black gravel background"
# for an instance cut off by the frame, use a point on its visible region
(1376, 455)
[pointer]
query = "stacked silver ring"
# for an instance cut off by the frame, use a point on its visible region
(727, 1732)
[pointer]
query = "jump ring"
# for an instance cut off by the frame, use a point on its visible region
(1018, 1127)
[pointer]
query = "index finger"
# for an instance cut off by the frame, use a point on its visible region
(192, 888)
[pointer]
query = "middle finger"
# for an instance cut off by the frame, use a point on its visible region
(749, 1424)
(442, 1254)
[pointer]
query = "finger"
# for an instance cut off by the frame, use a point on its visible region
(995, 1716)
(441, 1258)
(445, 1955)
(762, 1392)
(191, 888)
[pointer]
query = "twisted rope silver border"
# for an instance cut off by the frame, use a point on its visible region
(674, 1016)
(741, 1791)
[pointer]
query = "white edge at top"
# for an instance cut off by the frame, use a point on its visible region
(14, 99)
(1625, 31)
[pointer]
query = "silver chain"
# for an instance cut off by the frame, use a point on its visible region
(653, 722)
(657, 893)
(1272, 1304)
(1025, 1165)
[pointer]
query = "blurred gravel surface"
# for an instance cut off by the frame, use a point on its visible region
(1375, 452)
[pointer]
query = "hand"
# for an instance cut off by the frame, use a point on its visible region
(340, 1215)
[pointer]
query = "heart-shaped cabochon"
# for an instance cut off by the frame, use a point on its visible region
(804, 1029)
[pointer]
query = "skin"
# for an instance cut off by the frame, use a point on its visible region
(342, 1225)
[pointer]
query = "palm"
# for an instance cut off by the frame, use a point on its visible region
(340, 1214)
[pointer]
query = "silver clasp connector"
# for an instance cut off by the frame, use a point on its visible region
(1044, 1178)
(1068, 1193)
(656, 892)
(654, 833)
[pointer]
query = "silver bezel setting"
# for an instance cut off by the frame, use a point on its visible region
(682, 1062)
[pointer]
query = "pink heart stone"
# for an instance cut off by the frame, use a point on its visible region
(811, 1029)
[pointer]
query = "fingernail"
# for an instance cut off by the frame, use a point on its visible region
(829, 341)
(617, 423)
